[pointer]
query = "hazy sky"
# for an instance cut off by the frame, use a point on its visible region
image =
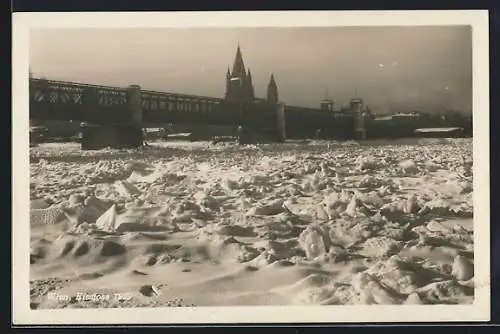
(392, 68)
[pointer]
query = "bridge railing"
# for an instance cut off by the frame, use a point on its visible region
(169, 107)
(59, 100)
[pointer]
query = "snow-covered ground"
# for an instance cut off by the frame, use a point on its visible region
(279, 224)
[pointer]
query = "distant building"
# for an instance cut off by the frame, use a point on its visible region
(239, 85)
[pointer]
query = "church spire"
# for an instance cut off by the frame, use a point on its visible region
(238, 66)
(239, 85)
(272, 91)
(251, 94)
(272, 81)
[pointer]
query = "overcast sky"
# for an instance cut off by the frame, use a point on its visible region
(392, 68)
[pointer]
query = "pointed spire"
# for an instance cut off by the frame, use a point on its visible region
(251, 93)
(272, 91)
(228, 73)
(272, 81)
(238, 66)
(239, 85)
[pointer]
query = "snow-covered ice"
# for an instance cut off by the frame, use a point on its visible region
(278, 224)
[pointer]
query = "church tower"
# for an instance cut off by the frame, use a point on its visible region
(239, 87)
(272, 91)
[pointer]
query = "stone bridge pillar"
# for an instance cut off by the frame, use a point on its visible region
(360, 126)
(125, 134)
(281, 119)
(135, 105)
(134, 135)
(359, 119)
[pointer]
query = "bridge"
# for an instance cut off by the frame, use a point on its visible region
(119, 114)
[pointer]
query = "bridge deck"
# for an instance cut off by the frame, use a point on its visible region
(59, 100)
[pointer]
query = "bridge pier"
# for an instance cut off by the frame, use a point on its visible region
(359, 127)
(359, 119)
(281, 121)
(134, 104)
(120, 136)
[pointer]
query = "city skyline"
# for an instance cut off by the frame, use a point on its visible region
(392, 68)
